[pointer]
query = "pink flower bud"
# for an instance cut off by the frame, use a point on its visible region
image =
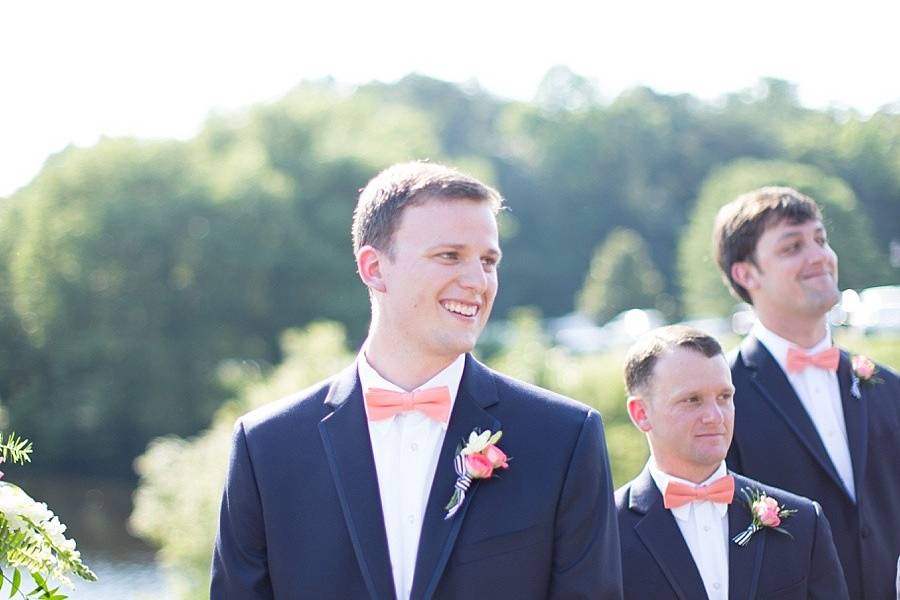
(766, 510)
(863, 366)
(478, 466)
(496, 456)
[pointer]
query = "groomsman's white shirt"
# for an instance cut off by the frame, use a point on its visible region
(704, 527)
(820, 394)
(406, 448)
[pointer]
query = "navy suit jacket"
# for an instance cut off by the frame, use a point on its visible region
(657, 563)
(301, 513)
(775, 441)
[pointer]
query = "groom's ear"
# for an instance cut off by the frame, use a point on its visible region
(368, 265)
(744, 274)
(637, 410)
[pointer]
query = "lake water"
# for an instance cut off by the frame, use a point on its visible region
(96, 512)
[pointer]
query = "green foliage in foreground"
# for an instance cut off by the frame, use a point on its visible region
(31, 537)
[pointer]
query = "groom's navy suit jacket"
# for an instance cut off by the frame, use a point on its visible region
(301, 513)
(657, 563)
(775, 441)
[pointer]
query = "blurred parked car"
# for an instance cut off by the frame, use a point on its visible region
(579, 335)
(714, 326)
(878, 310)
(742, 318)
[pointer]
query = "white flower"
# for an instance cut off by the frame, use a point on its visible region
(477, 442)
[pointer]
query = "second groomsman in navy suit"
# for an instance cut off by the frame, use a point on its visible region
(690, 529)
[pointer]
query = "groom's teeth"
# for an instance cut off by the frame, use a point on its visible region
(462, 309)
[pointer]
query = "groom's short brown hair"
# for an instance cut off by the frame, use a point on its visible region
(741, 222)
(642, 356)
(382, 201)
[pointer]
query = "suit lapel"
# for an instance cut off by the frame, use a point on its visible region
(476, 392)
(855, 418)
(773, 385)
(660, 534)
(345, 436)
(744, 562)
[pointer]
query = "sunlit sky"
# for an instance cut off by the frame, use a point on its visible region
(73, 71)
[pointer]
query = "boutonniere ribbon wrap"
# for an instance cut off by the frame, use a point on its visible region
(765, 513)
(864, 371)
(478, 459)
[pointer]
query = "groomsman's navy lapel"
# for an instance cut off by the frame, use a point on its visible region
(855, 419)
(477, 391)
(744, 562)
(345, 436)
(772, 384)
(660, 534)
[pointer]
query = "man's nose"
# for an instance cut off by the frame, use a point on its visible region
(820, 253)
(473, 276)
(713, 413)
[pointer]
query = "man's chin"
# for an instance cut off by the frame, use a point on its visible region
(459, 345)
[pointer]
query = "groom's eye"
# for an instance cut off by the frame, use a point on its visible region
(793, 247)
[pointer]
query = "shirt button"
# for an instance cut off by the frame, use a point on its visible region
(717, 585)
(411, 519)
(706, 528)
(413, 447)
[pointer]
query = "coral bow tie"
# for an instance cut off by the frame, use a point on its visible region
(384, 404)
(797, 360)
(679, 494)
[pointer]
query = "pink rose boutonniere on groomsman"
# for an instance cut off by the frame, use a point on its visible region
(765, 512)
(864, 370)
(477, 460)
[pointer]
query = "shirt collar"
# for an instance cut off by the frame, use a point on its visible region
(450, 376)
(778, 346)
(662, 479)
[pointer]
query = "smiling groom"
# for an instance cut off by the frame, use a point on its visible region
(355, 488)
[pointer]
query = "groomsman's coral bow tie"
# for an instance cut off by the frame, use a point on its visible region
(797, 360)
(679, 494)
(384, 404)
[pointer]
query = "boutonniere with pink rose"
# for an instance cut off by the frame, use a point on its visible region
(864, 371)
(765, 513)
(478, 459)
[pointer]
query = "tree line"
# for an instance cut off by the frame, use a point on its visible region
(137, 277)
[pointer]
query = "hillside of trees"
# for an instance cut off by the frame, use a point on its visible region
(141, 280)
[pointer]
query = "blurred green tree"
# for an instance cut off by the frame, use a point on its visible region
(622, 276)
(177, 503)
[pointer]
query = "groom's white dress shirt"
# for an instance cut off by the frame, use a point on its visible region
(406, 448)
(704, 527)
(820, 393)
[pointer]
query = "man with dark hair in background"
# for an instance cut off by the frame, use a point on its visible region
(685, 534)
(811, 418)
(357, 488)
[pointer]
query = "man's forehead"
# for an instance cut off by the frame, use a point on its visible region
(676, 365)
(454, 245)
(785, 227)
